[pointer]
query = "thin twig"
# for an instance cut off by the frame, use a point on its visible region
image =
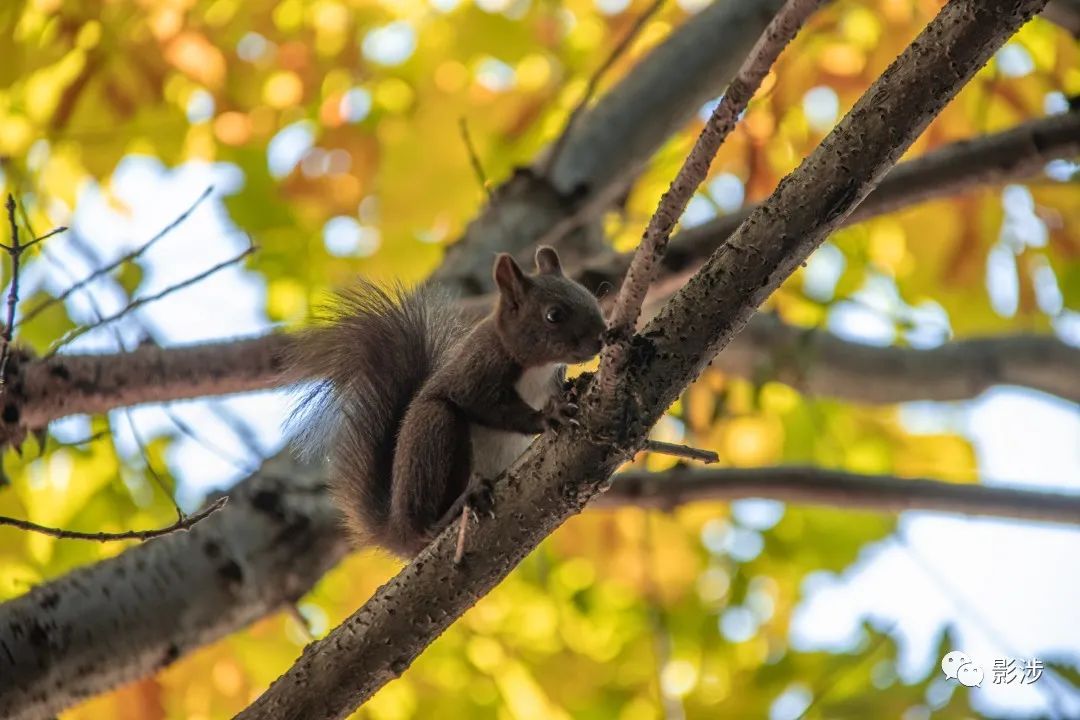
(13, 295)
(646, 262)
(128, 257)
(474, 159)
(594, 82)
(71, 335)
(459, 551)
(182, 524)
(191, 433)
(682, 451)
(145, 453)
(15, 250)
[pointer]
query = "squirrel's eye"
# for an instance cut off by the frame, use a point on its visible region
(554, 314)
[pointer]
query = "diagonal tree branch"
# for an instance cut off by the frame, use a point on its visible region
(558, 475)
(650, 251)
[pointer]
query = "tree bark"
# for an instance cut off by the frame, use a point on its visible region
(558, 475)
(128, 616)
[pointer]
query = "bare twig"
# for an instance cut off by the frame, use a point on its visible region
(128, 257)
(13, 295)
(216, 449)
(463, 525)
(15, 251)
(474, 159)
(645, 264)
(138, 302)
(594, 82)
(682, 451)
(158, 480)
(183, 523)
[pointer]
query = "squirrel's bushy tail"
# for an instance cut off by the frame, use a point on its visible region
(369, 356)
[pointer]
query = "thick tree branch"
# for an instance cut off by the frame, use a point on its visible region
(835, 488)
(126, 617)
(820, 363)
(557, 476)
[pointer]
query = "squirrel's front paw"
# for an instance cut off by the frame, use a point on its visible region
(560, 413)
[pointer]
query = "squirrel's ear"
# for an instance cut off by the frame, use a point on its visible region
(547, 261)
(509, 278)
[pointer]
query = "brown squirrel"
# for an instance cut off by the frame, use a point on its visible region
(418, 413)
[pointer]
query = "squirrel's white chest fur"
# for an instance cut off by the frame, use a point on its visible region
(494, 450)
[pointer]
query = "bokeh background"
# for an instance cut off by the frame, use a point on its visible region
(328, 133)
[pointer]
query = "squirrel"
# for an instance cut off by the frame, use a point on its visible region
(418, 413)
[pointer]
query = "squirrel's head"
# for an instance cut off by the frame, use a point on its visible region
(545, 316)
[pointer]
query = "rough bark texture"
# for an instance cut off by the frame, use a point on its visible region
(834, 488)
(71, 384)
(557, 476)
(131, 615)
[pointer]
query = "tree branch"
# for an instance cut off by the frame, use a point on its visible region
(557, 476)
(650, 251)
(594, 82)
(184, 522)
(820, 363)
(126, 617)
(836, 488)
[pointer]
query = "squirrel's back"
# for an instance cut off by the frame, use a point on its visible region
(371, 353)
